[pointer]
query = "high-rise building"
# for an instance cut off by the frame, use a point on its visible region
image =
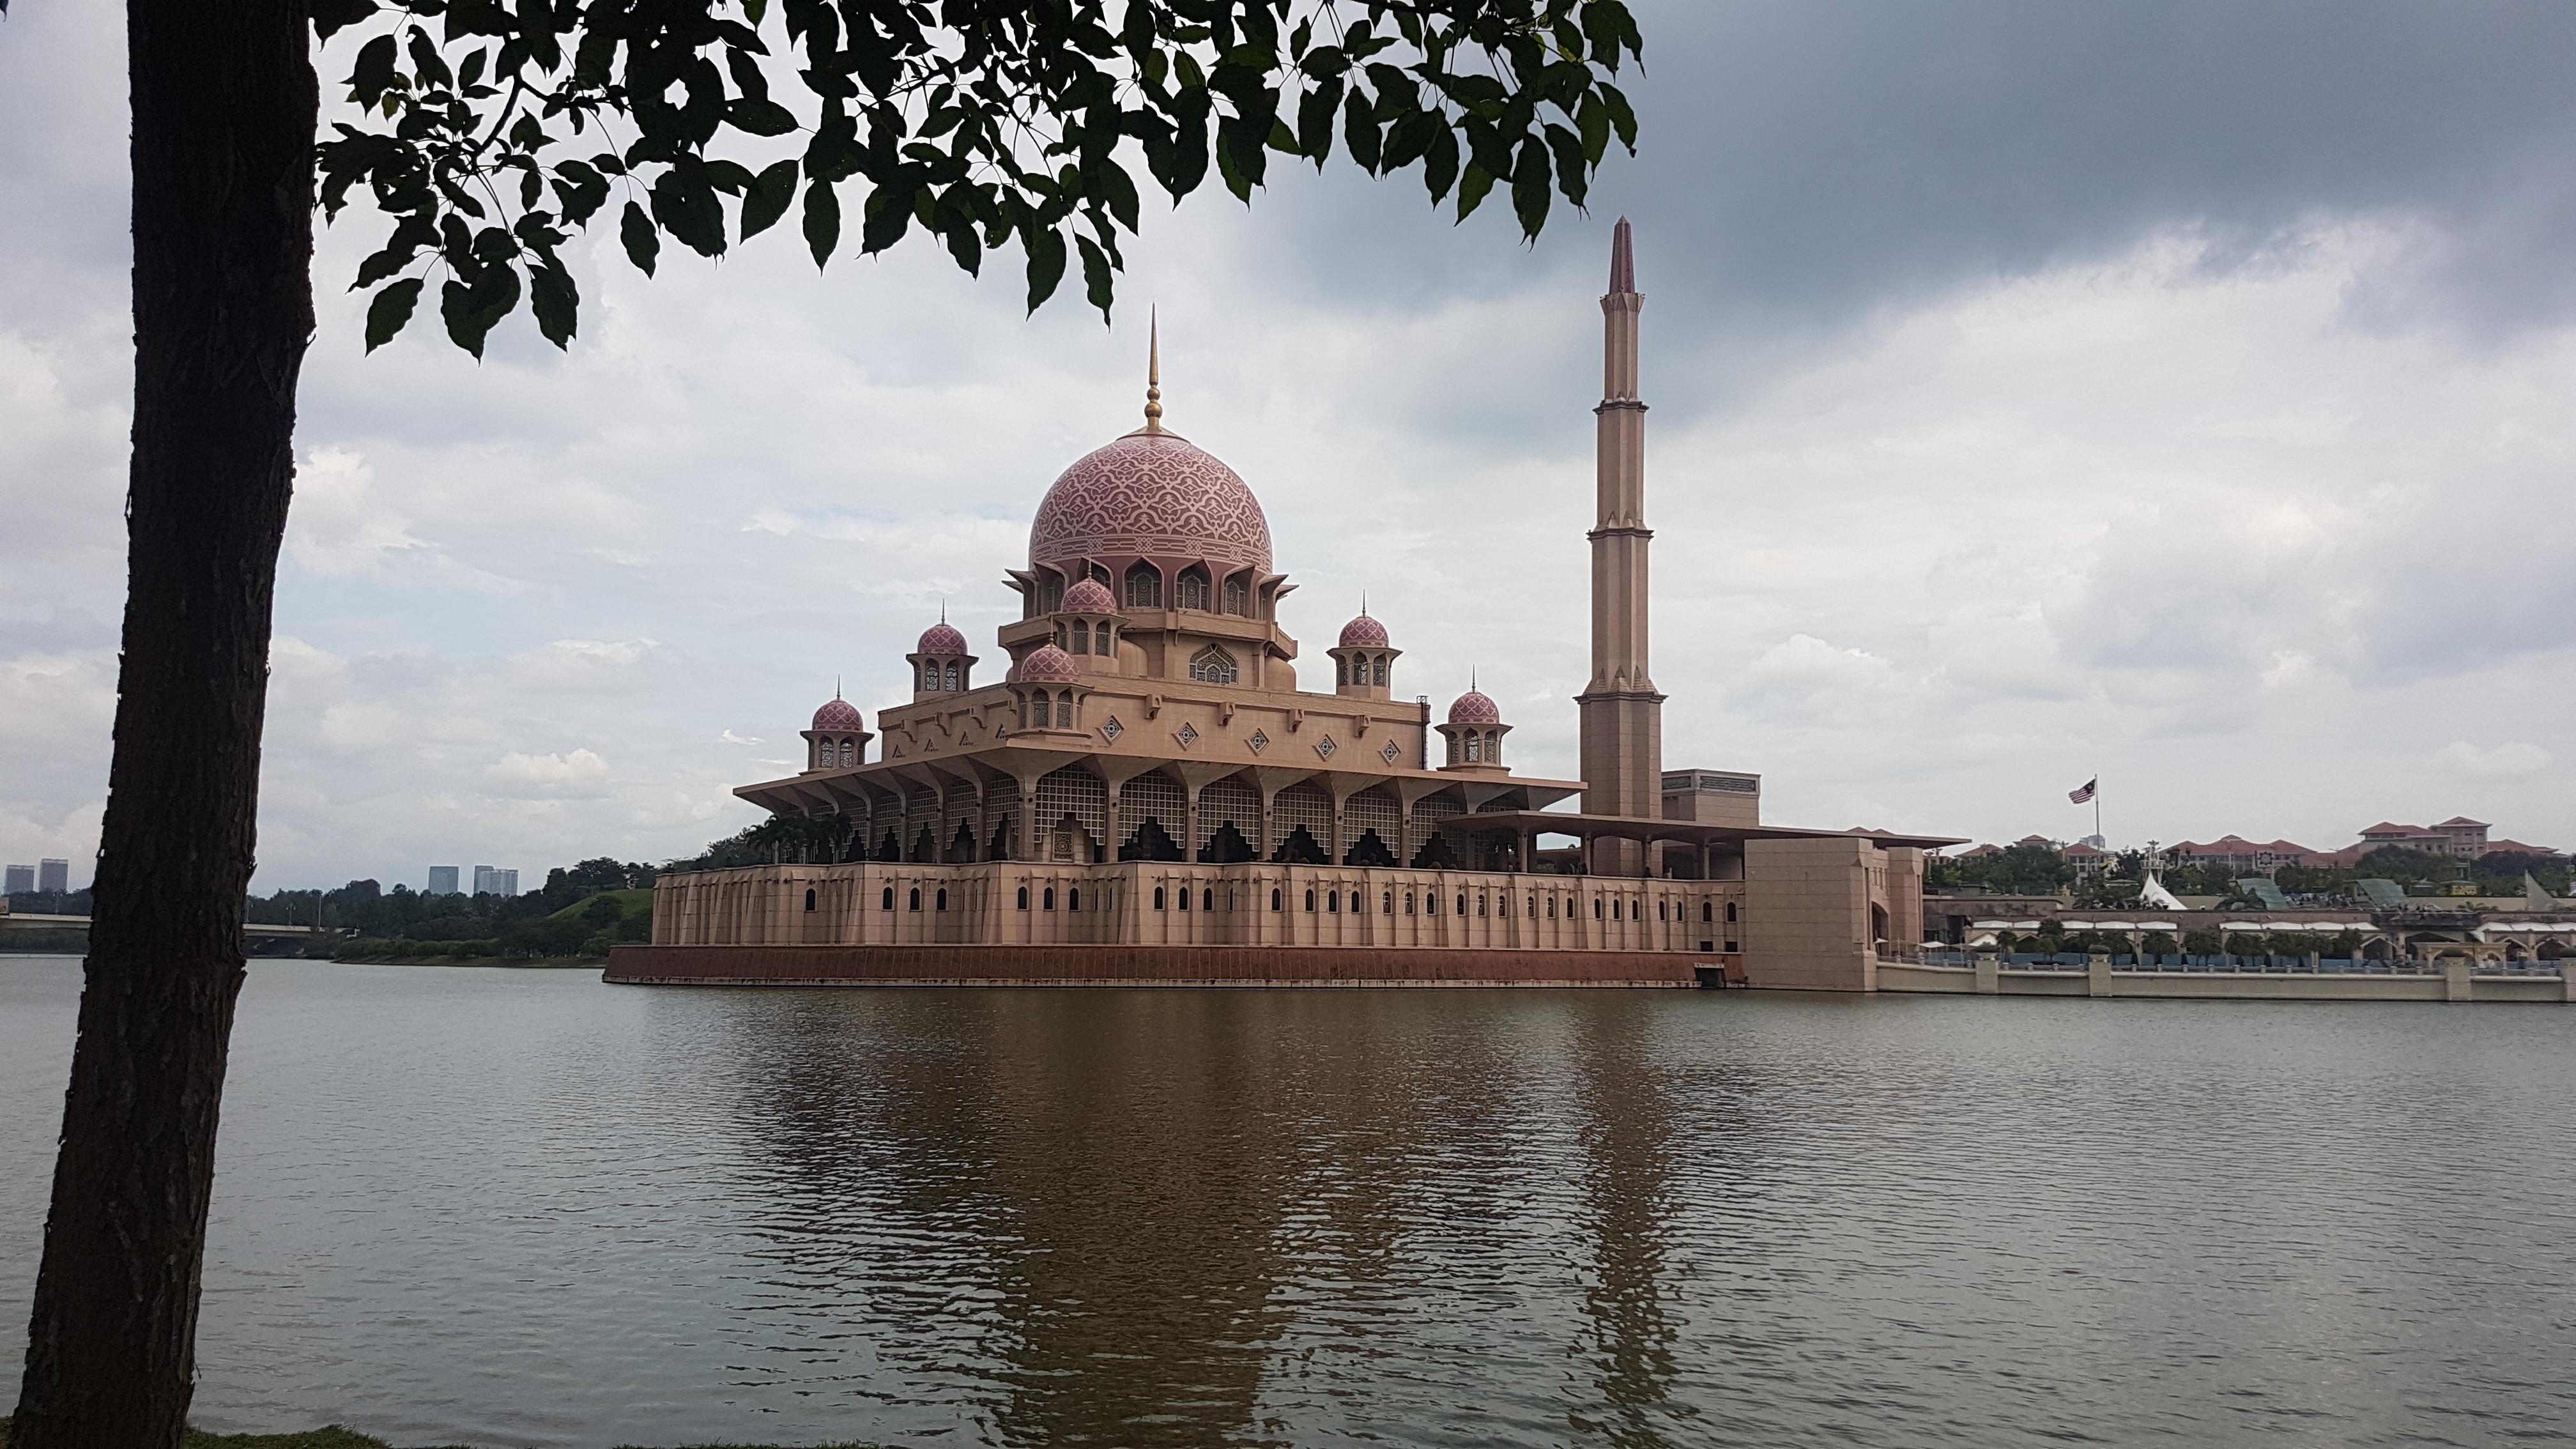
(442, 880)
(495, 881)
(1622, 714)
(54, 875)
(20, 878)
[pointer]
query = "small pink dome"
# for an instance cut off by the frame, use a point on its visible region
(1473, 708)
(1150, 495)
(1090, 596)
(1364, 633)
(838, 714)
(939, 638)
(1047, 665)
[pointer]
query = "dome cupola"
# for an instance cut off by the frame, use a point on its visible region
(1363, 662)
(1475, 733)
(1046, 687)
(839, 736)
(940, 663)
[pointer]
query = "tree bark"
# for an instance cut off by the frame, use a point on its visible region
(224, 109)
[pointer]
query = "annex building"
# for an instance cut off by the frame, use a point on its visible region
(1137, 782)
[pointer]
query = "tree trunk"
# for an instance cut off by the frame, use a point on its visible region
(224, 105)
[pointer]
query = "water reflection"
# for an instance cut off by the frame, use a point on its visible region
(522, 1208)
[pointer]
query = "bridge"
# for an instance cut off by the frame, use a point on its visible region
(18, 921)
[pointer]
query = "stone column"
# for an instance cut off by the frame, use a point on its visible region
(1990, 981)
(2097, 973)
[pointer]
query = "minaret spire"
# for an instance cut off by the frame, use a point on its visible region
(1622, 715)
(1154, 372)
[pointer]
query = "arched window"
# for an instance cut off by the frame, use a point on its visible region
(1408, 903)
(1493, 747)
(1238, 594)
(948, 678)
(1378, 670)
(809, 900)
(1144, 586)
(1533, 908)
(1462, 903)
(1614, 910)
(1387, 907)
(849, 752)
(1050, 591)
(1274, 898)
(941, 903)
(1707, 912)
(1332, 901)
(1207, 899)
(1341, 671)
(1475, 748)
(1185, 898)
(1355, 903)
(1078, 634)
(1073, 899)
(1596, 908)
(1213, 665)
(1310, 902)
(915, 902)
(1024, 898)
(1190, 590)
(1158, 898)
(1050, 898)
(1480, 904)
(1551, 908)
(1730, 913)
(1064, 710)
(1098, 574)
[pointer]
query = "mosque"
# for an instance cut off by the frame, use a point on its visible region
(1146, 793)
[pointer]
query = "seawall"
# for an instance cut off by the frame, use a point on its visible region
(891, 965)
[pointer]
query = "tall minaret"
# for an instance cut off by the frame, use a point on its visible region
(1623, 716)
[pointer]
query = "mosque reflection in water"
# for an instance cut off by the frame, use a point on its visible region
(1179, 1218)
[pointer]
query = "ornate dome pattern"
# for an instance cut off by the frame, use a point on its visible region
(1089, 596)
(1363, 633)
(838, 714)
(941, 638)
(1150, 495)
(1047, 665)
(1474, 708)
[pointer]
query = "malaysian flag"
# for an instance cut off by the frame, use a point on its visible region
(2091, 788)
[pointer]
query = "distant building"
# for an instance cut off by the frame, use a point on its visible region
(2240, 856)
(20, 878)
(2458, 837)
(494, 880)
(54, 876)
(442, 880)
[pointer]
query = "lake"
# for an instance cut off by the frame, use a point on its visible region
(524, 1208)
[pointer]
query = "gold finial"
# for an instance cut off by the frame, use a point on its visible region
(1154, 373)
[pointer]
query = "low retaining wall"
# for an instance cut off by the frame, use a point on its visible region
(2458, 985)
(1142, 966)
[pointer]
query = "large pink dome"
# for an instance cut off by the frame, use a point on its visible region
(1474, 707)
(1150, 495)
(838, 714)
(941, 638)
(1363, 633)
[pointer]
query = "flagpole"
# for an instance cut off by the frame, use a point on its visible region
(2097, 812)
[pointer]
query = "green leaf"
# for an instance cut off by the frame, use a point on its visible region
(643, 243)
(760, 116)
(1570, 164)
(1359, 131)
(767, 201)
(1622, 119)
(1095, 274)
(887, 213)
(330, 17)
(1045, 247)
(822, 221)
(1315, 120)
(1440, 163)
(556, 301)
(390, 310)
(1530, 192)
(1473, 185)
(471, 310)
(686, 206)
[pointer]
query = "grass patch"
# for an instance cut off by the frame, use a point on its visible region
(630, 905)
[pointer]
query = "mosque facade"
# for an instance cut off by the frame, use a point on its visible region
(1132, 785)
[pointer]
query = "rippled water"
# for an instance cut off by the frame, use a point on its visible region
(520, 1207)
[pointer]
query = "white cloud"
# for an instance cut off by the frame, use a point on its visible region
(579, 767)
(2511, 761)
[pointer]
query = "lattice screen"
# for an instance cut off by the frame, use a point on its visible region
(1075, 791)
(1001, 805)
(1230, 801)
(1428, 816)
(1304, 803)
(1373, 810)
(1155, 797)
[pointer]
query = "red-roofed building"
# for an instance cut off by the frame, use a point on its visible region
(2245, 857)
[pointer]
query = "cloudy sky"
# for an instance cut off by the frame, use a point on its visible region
(2174, 391)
